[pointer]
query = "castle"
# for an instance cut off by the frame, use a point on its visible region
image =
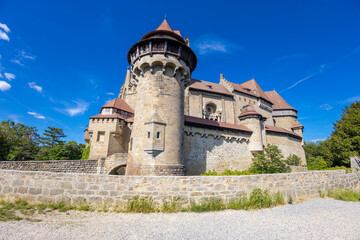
(166, 123)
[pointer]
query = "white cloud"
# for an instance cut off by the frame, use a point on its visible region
(4, 36)
(317, 140)
(27, 55)
(1, 76)
(9, 76)
(39, 116)
(5, 27)
(210, 44)
(326, 107)
(36, 87)
(110, 93)
(79, 109)
(4, 86)
(17, 62)
(321, 70)
(352, 99)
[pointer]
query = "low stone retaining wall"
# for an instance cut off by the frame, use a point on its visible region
(100, 190)
(67, 166)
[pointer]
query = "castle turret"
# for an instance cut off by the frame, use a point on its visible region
(161, 64)
(255, 122)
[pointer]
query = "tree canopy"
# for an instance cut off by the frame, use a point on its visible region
(21, 142)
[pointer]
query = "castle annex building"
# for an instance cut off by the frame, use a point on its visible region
(166, 123)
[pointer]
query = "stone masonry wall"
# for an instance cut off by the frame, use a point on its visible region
(100, 190)
(68, 166)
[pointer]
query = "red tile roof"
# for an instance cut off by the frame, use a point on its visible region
(278, 101)
(164, 26)
(119, 104)
(297, 125)
(254, 88)
(281, 130)
(189, 120)
(208, 87)
(250, 110)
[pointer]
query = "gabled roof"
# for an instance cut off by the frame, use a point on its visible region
(296, 124)
(278, 101)
(281, 130)
(206, 123)
(208, 87)
(251, 88)
(119, 104)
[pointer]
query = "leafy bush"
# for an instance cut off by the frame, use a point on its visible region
(170, 205)
(316, 163)
(293, 160)
(270, 162)
(344, 194)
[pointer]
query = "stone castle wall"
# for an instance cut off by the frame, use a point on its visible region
(100, 190)
(66, 166)
(288, 145)
(206, 149)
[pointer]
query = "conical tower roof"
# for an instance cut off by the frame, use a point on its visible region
(164, 26)
(278, 101)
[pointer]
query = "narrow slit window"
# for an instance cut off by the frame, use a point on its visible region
(158, 135)
(148, 134)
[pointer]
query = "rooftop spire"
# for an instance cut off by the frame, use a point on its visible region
(164, 26)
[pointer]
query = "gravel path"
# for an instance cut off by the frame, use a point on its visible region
(313, 219)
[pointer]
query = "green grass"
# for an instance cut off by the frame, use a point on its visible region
(171, 205)
(141, 205)
(207, 205)
(344, 194)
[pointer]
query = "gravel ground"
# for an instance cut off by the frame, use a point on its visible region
(313, 219)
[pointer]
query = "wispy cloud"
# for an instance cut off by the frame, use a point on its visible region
(349, 100)
(36, 87)
(39, 116)
(78, 107)
(326, 107)
(17, 62)
(317, 140)
(4, 86)
(110, 93)
(210, 44)
(292, 56)
(319, 71)
(9, 76)
(21, 56)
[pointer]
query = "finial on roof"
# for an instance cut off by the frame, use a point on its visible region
(165, 17)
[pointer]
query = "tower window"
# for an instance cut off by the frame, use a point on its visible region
(148, 134)
(158, 135)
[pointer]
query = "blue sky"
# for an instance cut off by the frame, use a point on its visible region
(62, 60)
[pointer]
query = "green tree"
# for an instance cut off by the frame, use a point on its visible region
(316, 163)
(345, 138)
(86, 152)
(70, 150)
(52, 137)
(319, 149)
(22, 140)
(293, 160)
(270, 162)
(4, 146)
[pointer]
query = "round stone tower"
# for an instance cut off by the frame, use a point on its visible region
(161, 63)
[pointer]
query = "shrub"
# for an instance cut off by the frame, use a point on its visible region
(86, 152)
(210, 173)
(171, 205)
(140, 204)
(344, 194)
(316, 163)
(270, 162)
(293, 160)
(228, 172)
(207, 205)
